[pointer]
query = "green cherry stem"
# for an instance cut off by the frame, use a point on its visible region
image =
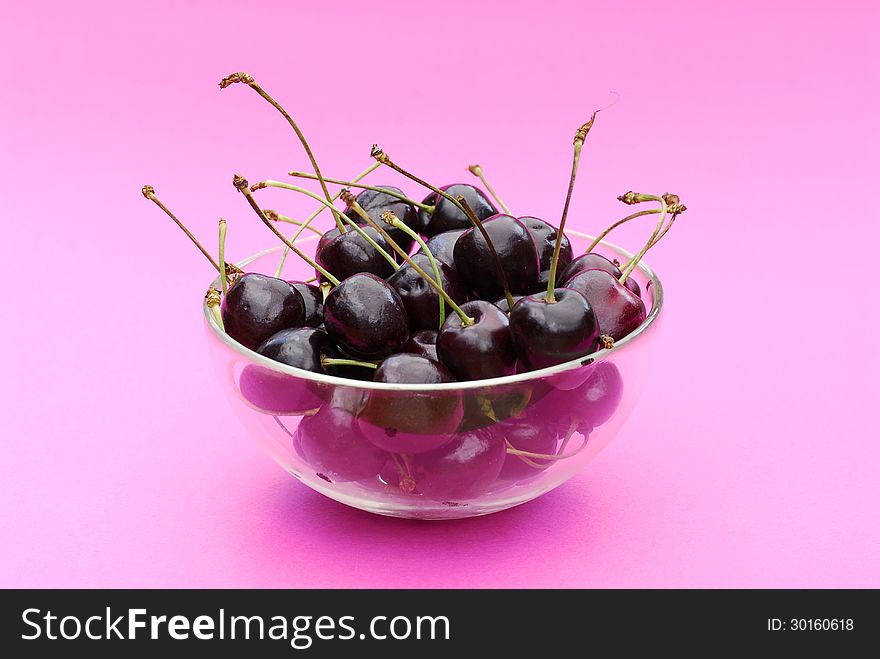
(348, 220)
(634, 261)
(354, 225)
(389, 217)
(307, 224)
(602, 235)
(330, 361)
(222, 252)
(275, 216)
(150, 193)
(424, 247)
(354, 184)
(579, 138)
(248, 79)
(477, 171)
(241, 185)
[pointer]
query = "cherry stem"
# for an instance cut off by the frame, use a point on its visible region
(634, 261)
(602, 235)
(354, 225)
(383, 158)
(275, 216)
(512, 450)
(389, 218)
(241, 185)
(424, 247)
(499, 268)
(307, 224)
(222, 252)
(150, 194)
(212, 299)
(348, 220)
(477, 171)
(354, 184)
(579, 138)
(247, 79)
(329, 361)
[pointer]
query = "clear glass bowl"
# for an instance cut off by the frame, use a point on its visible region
(460, 449)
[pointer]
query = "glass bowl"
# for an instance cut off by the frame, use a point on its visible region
(437, 451)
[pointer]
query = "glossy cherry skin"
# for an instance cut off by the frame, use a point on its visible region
(347, 254)
(256, 306)
(313, 301)
(332, 445)
(300, 347)
(277, 393)
(442, 246)
(544, 235)
(515, 248)
(593, 261)
(421, 300)
(424, 343)
(549, 333)
(464, 468)
(599, 397)
(366, 317)
(413, 421)
(447, 216)
(375, 203)
(618, 310)
(481, 350)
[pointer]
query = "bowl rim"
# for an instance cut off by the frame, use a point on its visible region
(517, 378)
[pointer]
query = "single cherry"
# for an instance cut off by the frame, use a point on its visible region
(366, 317)
(411, 421)
(599, 397)
(375, 203)
(442, 246)
(347, 254)
(480, 350)
(447, 216)
(516, 251)
(256, 306)
(313, 300)
(593, 261)
(464, 468)
(424, 343)
(526, 434)
(332, 445)
(544, 235)
(300, 347)
(618, 310)
(277, 393)
(552, 332)
(421, 300)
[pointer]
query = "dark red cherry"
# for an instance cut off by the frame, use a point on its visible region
(618, 310)
(366, 317)
(424, 343)
(544, 235)
(300, 347)
(599, 397)
(481, 350)
(346, 254)
(442, 244)
(375, 203)
(465, 467)
(313, 300)
(593, 261)
(277, 393)
(334, 447)
(515, 248)
(411, 421)
(420, 299)
(548, 333)
(256, 306)
(447, 216)
(501, 302)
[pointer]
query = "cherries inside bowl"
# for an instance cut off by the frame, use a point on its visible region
(486, 463)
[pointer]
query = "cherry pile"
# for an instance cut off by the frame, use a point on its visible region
(442, 290)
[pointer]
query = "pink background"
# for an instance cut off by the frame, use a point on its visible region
(753, 457)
